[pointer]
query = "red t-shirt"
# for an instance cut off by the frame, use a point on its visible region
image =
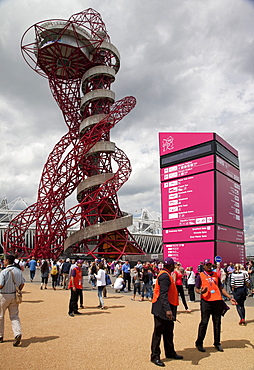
(179, 277)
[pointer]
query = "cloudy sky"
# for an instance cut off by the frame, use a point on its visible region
(189, 63)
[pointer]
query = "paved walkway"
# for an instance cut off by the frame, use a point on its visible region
(117, 338)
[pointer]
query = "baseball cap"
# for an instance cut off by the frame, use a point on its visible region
(207, 260)
(79, 261)
(169, 261)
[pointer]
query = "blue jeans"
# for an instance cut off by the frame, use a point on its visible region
(148, 288)
(93, 280)
(32, 273)
(136, 288)
(100, 289)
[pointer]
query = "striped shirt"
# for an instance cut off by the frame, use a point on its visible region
(7, 281)
(238, 280)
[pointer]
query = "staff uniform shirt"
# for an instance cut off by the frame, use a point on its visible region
(198, 280)
(162, 305)
(74, 271)
(78, 281)
(126, 268)
(7, 281)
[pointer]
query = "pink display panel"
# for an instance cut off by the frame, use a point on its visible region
(186, 234)
(230, 234)
(187, 168)
(229, 202)
(188, 201)
(189, 254)
(227, 169)
(174, 141)
(230, 252)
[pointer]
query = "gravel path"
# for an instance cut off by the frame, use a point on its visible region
(116, 338)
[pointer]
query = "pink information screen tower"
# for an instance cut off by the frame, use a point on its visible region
(201, 199)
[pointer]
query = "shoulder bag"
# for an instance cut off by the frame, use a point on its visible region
(18, 291)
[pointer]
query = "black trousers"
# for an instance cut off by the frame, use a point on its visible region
(240, 295)
(191, 292)
(163, 328)
(127, 277)
(181, 292)
(213, 308)
(73, 305)
(44, 280)
(80, 296)
(54, 280)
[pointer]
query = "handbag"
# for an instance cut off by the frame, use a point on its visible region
(225, 308)
(18, 291)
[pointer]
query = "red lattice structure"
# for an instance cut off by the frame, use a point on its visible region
(77, 54)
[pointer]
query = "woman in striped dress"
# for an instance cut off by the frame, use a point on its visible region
(239, 283)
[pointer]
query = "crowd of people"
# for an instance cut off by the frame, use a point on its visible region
(140, 278)
(234, 281)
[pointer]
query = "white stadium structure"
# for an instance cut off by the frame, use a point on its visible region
(146, 228)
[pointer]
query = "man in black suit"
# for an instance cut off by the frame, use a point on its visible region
(164, 306)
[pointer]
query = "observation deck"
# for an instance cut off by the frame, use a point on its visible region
(67, 50)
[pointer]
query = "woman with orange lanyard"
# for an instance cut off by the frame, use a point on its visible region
(208, 285)
(177, 275)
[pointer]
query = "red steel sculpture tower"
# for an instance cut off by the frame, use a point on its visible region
(76, 54)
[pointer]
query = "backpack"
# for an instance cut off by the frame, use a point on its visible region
(54, 270)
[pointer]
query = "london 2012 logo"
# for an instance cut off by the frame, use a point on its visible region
(168, 144)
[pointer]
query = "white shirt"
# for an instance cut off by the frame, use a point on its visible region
(191, 278)
(101, 281)
(118, 283)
